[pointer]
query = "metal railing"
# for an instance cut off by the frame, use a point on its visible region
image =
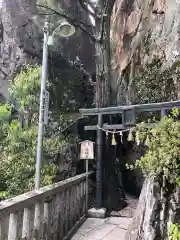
(53, 212)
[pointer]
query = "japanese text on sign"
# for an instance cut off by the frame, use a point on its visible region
(87, 150)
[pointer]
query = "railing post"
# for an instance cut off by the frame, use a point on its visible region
(1, 230)
(57, 209)
(26, 229)
(38, 219)
(70, 208)
(163, 113)
(78, 201)
(46, 220)
(66, 210)
(74, 210)
(13, 229)
(4, 226)
(62, 204)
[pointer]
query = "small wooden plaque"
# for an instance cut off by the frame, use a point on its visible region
(87, 150)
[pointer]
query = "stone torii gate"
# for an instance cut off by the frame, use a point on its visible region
(128, 117)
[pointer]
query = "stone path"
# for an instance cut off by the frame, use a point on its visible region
(112, 228)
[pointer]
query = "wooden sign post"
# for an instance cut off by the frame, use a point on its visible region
(87, 153)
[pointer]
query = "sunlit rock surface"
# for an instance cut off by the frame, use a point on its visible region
(140, 30)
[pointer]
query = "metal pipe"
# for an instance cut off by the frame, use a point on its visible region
(41, 107)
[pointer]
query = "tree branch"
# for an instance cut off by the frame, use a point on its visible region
(43, 14)
(107, 10)
(91, 5)
(72, 21)
(50, 14)
(84, 6)
(104, 13)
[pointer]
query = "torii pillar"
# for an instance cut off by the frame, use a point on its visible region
(98, 211)
(99, 160)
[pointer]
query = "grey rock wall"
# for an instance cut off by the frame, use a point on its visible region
(17, 35)
(154, 213)
(21, 38)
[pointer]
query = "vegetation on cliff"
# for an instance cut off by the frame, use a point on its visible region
(160, 166)
(154, 83)
(163, 154)
(174, 232)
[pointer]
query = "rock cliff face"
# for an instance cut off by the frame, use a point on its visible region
(21, 38)
(155, 212)
(16, 34)
(141, 30)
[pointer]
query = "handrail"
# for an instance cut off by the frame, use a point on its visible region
(60, 204)
(13, 204)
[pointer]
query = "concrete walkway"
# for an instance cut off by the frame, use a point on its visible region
(112, 228)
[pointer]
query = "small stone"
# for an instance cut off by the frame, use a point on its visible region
(97, 213)
(114, 214)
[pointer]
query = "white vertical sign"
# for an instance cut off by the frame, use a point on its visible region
(46, 107)
(87, 153)
(87, 150)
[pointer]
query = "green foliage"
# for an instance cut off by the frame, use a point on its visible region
(26, 88)
(5, 111)
(18, 145)
(71, 92)
(155, 84)
(174, 232)
(163, 151)
(18, 159)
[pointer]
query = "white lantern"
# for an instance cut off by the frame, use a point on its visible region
(66, 30)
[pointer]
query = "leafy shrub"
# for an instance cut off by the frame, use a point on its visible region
(174, 232)
(163, 153)
(155, 84)
(26, 88)
(18, 145)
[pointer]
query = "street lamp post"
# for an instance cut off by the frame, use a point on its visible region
(41, 108)
(65, 30)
